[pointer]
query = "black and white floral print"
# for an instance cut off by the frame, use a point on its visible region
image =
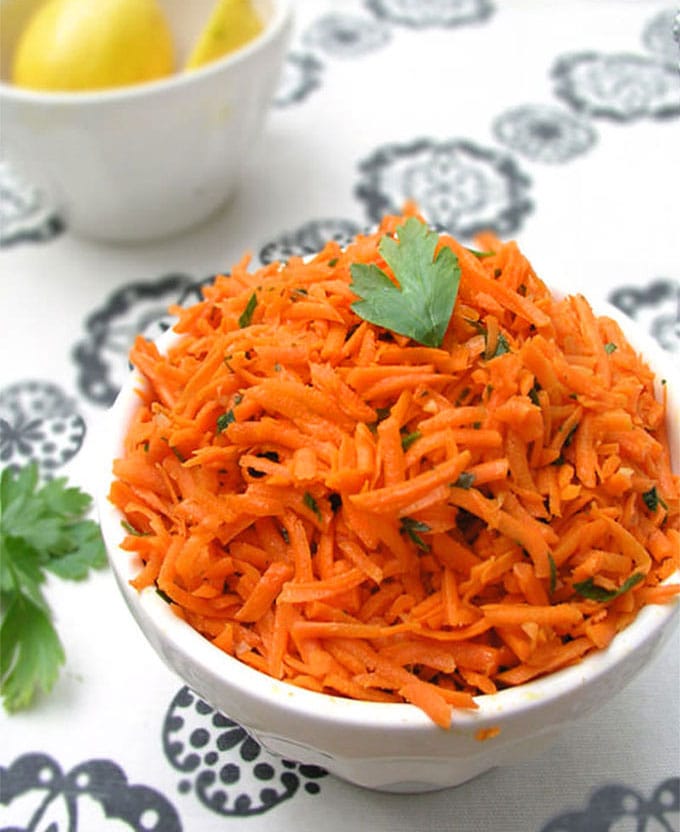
(544, 133)
(25, 216)
(228, 771)
(657, 36)
(38, 423)
(36, 794)
(341, 35)
(308, 239)
(300, 75)
(457, 184)
(422, 13)
(615, 807)
(139, 307)
(656, 307)
(623, 87)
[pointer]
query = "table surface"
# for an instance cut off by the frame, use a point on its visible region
(557, 124)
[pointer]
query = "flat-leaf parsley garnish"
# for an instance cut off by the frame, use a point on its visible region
(420, 306)
(43, 530)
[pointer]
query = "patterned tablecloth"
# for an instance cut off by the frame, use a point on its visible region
(556, 123)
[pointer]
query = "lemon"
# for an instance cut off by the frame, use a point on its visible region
(231, 25)
(76, 45)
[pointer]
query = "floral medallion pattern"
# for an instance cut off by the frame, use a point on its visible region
(658, 37)
(228, 771)
(457, 184)
(424, 13)
(36, 794)
(617, 808)
(656, 307)
(38, 423)
(345, 36)
(101, 357)
(544, 133)
(24, 214)
(308, 239)
(623, 87)
(300, 76)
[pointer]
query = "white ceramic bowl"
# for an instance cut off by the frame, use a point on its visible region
(144, 161)
(390, 747)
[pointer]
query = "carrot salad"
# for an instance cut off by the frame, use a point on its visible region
(355, 513)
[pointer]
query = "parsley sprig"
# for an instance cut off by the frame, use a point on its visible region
(42, 531)
(420, 306)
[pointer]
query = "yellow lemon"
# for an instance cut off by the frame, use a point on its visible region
(75, 45)
(231, 25)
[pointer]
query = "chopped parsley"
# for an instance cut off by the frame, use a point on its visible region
(311, 504)
(465, 480)
(590, 590)
(247, 315)
(413, 529)
(408, 439)
(224, 420)
(480, 255)
(652, 499)
(502, 346)
(553, 573)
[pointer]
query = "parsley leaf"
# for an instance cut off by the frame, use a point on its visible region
(31, 652)
(224, 420)
(502, 346)
(589, 589)
(420, 306)
(247, 315)
(409, 438)
(311, 504)
(411, 529)
(652, 499)
(42, 531)
(553, 573)
(132, 530)
(465, 480)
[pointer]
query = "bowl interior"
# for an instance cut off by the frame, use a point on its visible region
(188, 19)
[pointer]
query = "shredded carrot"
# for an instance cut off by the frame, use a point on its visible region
(360, 515)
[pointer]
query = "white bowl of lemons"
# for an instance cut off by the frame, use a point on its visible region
(136, 117)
